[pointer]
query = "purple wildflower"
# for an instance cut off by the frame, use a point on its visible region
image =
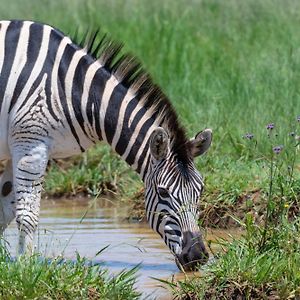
(248, 136)
(277, 149)
(270, 126)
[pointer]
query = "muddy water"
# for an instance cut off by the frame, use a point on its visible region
(67, 226)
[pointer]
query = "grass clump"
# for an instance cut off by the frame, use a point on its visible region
(38, 278)
(245, 270)
(97, 171)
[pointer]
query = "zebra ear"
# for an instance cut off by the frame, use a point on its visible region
(201, 142)
(159, 143)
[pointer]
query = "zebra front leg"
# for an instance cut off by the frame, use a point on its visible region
(7, 199)
(29, 165)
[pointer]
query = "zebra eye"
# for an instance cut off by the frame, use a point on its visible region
(163, 193)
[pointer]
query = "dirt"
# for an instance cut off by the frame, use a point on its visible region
(223, 215)
(235, 291)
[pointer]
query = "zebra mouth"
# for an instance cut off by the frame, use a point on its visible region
(193, 252)
(192, 265)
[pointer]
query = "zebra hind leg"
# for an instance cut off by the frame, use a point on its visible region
(7, 199)
(29, 165)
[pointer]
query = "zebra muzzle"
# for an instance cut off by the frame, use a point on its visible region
(193, 252)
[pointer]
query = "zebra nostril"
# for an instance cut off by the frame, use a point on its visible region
(185, 258)
(193, 252)
(192, 260)
(6, 188)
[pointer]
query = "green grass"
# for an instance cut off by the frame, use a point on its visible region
(265, 262)
(38, 278)
(231, 65)
(96, 171)
(243, 269)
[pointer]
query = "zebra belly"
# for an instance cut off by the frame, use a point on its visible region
(4, 150)
(64, 144)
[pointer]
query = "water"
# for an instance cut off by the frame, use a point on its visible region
(86, 227)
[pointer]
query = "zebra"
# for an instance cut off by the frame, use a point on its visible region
(59, 98)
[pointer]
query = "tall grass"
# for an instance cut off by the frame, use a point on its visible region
(230, 65)
(243, 271)
(265, 262)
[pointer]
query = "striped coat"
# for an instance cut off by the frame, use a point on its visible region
(58, 98)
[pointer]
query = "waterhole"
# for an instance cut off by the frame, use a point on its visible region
(87, 226)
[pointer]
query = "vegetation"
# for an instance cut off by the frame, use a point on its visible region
(265, 262)
(221, 64)
(97, 171)
(38, 278)
(230, 65)
(245, 270)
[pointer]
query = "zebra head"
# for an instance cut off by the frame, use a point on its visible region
(172, 191)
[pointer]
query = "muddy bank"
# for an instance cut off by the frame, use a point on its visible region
(225, 215)
(233, 290)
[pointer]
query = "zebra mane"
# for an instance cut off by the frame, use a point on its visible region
(129, 71)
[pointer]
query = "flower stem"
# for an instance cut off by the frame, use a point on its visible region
(269, 207)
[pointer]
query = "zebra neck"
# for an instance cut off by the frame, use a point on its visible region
(118, 117)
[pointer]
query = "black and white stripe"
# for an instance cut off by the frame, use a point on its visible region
(58, 98)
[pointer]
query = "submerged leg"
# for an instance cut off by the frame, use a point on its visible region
(29, 165)
(7, 199)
